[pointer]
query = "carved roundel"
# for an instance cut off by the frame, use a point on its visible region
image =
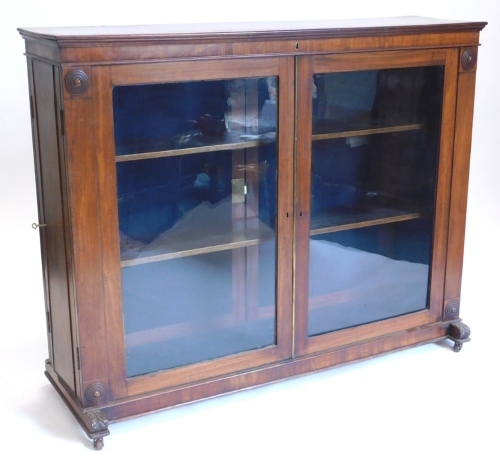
(77, 82)
(96, 393)
(469, 59)
(452, 309)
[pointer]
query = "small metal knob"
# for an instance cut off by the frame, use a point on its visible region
(37, 225)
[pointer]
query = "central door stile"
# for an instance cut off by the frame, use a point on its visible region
(304, 89)
(285, 205)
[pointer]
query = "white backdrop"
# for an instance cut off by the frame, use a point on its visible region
(422, 404)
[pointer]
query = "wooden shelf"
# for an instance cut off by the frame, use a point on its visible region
(227, 142)
(196, 242)
(182, 329)
(179, 244)
(330, 223)
(327, 130)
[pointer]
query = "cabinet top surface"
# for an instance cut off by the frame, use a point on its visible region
(280, 29)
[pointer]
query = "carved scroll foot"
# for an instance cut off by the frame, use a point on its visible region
(99, 428)
(459, 333)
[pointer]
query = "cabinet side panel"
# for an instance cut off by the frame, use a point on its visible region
(50, 190)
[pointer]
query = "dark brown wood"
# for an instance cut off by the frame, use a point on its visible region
(451, 310)
(285, 207)
(268, 374)
(110, 245)
(224, 144)
(149, 43)
(93, 422)
(316, 64)
(459, 333)
(360, 220)
(303, 200)
(76, 82)
(72, 72)
(468, 60)
(50, 168)
(259, 30)
(365, 132)
(82, 177)
(446, 152)
(460, 175)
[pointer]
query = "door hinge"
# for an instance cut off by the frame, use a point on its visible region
(32, 107)
(61, 116)
(78, 358)
(47, 318)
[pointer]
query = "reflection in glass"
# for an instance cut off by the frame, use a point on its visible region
(196, 181)
(373, 178)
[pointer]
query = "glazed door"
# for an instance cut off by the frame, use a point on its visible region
(373, 176)
(204, 219)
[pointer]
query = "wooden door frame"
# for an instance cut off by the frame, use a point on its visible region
(307, 66)
(105, 78)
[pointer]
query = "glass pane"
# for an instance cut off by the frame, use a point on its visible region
(373, 178)
(196, 173)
